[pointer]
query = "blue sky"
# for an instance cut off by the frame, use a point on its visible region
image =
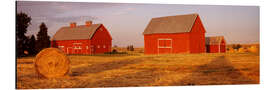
(126, 22)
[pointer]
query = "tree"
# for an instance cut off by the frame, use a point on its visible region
(43, 39)
(22, 22)
(31, 45)
(130, 48)
(237, 46)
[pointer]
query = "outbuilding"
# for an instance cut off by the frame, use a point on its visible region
(83, 39)
(216, 44)
(175, 34)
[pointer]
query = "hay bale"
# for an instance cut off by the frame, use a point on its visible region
(231, 50)
(253, 49)
(51, 63)
(241, 50)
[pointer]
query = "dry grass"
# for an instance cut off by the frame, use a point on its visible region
(147, 70)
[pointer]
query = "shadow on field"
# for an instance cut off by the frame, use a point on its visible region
(219, 71)
(141, 78)
(103, 67)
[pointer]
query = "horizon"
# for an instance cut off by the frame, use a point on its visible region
(127, 21)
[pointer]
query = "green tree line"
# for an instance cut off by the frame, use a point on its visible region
(29, 45)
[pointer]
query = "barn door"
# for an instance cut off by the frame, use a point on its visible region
(164, 46)
(69, 50)
(92, 48)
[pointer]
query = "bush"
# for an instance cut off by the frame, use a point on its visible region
(237, 46)
(114, 51)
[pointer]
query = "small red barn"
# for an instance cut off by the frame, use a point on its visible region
(175, 34)
(215, 44)
(84, 39)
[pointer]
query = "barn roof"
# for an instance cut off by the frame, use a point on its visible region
(76, 33)
(171, 24)
(216, 40)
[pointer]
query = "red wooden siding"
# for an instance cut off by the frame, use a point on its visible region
(217, 48)
(180, 43)
(100, 42)
(197, 37)
(73, 46)
(189, 42)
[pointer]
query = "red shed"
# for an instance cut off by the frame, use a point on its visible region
(84, 39)
(175, 34)
(215, 44)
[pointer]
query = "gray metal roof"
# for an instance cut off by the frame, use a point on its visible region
(171, 24)
(76, 33)
(216, 40)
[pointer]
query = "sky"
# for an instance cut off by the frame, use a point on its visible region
(127, 21)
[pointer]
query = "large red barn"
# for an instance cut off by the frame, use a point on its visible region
(215, 44)
(175, 34)
(83, 39)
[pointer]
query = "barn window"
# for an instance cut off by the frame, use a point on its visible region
(165, 43)
(77, 47)
(77, 43)
(60, 46)
(104, 46)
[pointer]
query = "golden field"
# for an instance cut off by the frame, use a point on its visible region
(136, 69)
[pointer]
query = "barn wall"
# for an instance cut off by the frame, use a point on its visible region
(180, 43)
(101, 41)
(197, 37)
(223, 46)
(73, 46)
(214, 48)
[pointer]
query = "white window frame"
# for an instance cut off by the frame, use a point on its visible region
(77, 47)
(61, 46)
(164, 46)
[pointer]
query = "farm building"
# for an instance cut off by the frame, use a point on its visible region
(84, 39)
(175, 34)
(215, 44)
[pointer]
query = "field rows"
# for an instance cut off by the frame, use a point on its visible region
(147, 70)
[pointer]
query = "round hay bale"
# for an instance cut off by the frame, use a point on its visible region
(231, 50)
(52, 62)
(253, 49)
(241, 50)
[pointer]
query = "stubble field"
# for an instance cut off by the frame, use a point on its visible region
(137, 69)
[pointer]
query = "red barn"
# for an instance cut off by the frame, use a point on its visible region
(175, 34)
(215, 44)
(83, 39)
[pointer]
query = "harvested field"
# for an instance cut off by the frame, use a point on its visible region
(146, 70)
